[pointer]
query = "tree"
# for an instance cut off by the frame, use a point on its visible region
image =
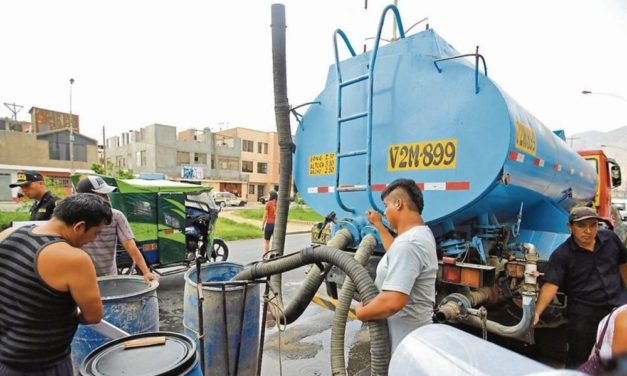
(100, 169)
(124, 174)
(111, 171)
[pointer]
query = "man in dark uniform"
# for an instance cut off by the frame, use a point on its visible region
(32, 185)
(587, 267)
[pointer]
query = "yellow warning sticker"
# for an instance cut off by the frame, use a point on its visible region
(322, 164)
(525, 138)
(426, 155)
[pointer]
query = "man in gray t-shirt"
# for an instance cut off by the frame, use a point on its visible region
(407, 272)
(102, 250)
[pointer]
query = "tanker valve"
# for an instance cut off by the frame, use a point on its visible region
(481, 313)
(531, 266)
(452, 307)
(328, 219)
(319, 232)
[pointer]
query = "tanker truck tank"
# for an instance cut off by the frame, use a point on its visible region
(497, 183)
(478, 156)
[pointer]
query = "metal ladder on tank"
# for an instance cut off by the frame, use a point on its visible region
(366, 114)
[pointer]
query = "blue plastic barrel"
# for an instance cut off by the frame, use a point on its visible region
(241, 332)
(176, 357)
(129, 303)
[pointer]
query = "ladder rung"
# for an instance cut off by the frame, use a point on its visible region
(355, 80)
(352, 153)
(352, 117)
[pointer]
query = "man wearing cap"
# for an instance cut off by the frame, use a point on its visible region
(32, 185)
(587, 268)
(102, 250)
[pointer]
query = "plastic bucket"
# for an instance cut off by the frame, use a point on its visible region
(129, 303)
(176, 357)
(241, 331)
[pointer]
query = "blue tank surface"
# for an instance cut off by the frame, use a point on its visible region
(480, 158)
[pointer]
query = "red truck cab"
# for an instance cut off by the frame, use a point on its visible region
(608, 177)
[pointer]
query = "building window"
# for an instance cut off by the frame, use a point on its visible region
(262, 168)
(229, 164)
(213, 162)
(182, 157)
(247, 166)
(140, 158)
(200, 158)
(248, 146)
(251, 189)
(80, 153)
(262, 147)
(59, 151)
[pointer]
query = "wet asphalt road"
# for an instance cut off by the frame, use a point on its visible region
(304, 345)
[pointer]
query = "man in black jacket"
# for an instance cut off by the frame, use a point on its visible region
(32, 185)
(587, 268)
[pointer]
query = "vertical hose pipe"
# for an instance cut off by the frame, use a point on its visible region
(338, 332)
(284, 132)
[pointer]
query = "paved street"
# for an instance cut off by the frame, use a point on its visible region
(304, 345)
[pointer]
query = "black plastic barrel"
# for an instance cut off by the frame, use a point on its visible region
(176, 357)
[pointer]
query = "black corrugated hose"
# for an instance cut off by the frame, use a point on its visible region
(379, 335)
(338, 363)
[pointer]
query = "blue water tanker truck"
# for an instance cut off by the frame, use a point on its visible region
(498, 184)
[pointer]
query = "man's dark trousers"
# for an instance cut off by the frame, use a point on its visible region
(583, 320)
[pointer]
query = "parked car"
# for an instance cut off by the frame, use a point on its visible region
(228, 199)
(621, 205)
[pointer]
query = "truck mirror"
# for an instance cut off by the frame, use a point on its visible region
(616, 176)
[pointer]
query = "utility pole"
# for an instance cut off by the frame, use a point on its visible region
(14, 108)
(71, 132)
(104, 150)
(571, 140)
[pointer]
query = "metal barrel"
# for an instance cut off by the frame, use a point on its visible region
(129, 303)
(177, 356)
(231, 319)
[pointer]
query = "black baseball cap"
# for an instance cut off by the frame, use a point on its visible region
(582, 213)
(26, 177)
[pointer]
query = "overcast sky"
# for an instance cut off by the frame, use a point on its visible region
(201, 63)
